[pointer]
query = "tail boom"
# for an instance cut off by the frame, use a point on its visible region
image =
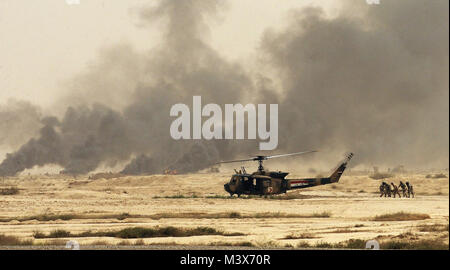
(310, 182)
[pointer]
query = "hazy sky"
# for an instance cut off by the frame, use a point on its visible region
(45, 43)
(372, 79)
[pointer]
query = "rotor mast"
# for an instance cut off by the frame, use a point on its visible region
(260, 163)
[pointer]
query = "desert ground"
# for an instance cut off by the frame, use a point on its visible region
(315, 217)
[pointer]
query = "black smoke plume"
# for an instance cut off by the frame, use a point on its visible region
(375, 84)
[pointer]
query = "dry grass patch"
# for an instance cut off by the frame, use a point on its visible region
(178, 215)
(178, 196)
(400, 216)
(303, 244)
(138, 232)
(232, 244)
(53, 242)
(6, 240)
(324, 214)
(9, 191)
(288, 196)
(300, 236)
(344, 230)
(184, 215)
(427, 244)
(349, 244)
(436, 176)
(53, 217)
(100, 243)
(234, 214)
(433, 228)
(43, 217)
(406, 236)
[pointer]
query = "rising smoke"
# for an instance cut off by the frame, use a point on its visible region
(375, 84)
(19, 122)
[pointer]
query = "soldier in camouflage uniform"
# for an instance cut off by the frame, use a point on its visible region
(403, 187)
(386, 190)
(410, 189)
(382, 189)
(395, 190)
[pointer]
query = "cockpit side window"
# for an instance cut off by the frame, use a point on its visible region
(234, 179)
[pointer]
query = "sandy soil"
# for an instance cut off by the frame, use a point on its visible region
(352, 203)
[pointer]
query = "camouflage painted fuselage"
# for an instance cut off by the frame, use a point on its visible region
(269, 183)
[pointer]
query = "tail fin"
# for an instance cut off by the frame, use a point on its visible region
(336, 175)
(310, 182)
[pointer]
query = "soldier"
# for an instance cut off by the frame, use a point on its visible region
(387, 189)
(410, 189)
(382, 189)
(395, 190)
(403, 187)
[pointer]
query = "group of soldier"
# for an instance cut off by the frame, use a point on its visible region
(387, 190)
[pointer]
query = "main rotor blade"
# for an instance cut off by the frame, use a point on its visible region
(291, 154)
(266, 157)
(231, 161)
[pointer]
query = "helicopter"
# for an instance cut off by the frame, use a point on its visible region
(265, 183)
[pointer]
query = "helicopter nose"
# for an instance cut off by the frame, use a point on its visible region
(226, 187)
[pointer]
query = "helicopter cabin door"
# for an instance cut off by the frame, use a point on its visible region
(263, 185)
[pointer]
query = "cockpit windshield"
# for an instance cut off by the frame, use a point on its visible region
(234, 179)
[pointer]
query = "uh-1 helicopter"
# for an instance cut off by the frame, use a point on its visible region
(265, 183)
